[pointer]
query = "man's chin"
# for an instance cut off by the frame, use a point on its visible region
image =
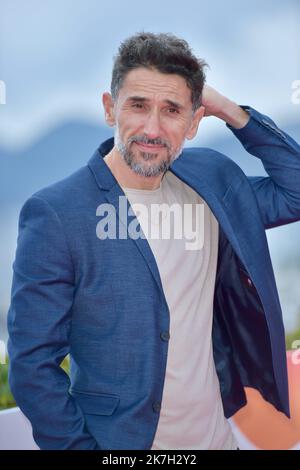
(148, 169)
(147, 163)
(141, 157)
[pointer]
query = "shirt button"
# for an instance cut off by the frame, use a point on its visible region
(156, 406)
(165, 335)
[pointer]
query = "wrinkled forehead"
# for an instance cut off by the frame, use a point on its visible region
(155, 85)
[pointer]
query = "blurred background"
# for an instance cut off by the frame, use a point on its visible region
(56, 59)
(55, 62)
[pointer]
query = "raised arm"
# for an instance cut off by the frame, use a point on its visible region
(278, 195)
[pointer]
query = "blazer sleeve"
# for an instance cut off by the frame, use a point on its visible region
(39, 325)
(278, 194)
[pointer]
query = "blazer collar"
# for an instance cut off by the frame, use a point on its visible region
(103, 176)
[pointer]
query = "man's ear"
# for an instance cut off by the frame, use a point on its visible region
(198, 115)
(108, 105)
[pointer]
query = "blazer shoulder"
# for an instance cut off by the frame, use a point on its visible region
(211, 163)
(209, 156)
(67, 190)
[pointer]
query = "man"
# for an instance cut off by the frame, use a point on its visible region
(163, 334)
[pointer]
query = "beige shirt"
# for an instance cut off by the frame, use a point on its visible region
(191, 415)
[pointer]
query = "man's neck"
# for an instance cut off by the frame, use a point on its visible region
(127, 177)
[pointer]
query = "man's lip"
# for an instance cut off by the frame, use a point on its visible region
(149, 146)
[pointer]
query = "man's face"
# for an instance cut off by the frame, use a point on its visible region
(153, 116)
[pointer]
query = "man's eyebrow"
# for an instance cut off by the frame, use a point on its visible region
(142, 99)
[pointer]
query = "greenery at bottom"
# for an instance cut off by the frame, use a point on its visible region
(290, 338)
(7, 400)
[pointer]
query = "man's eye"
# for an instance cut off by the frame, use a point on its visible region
(137, 105)
(173, 110)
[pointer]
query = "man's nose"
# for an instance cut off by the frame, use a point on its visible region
(152, 125)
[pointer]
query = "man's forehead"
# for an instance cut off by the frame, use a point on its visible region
(146, 82)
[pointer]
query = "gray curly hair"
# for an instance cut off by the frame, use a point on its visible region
(166, 53)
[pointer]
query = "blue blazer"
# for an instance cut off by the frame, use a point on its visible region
(102, 301)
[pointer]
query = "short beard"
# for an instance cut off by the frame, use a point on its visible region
(139, 168)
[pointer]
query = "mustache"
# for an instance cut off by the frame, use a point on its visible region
(145, 140)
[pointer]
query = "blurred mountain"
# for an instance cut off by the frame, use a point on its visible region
(54, 156)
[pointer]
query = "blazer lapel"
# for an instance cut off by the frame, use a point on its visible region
(198, 183)
(113, 197)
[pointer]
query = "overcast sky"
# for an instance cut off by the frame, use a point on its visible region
(56, 56)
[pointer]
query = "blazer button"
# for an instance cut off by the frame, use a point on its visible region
(156, 406)
(249, 282)
(165, 335)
